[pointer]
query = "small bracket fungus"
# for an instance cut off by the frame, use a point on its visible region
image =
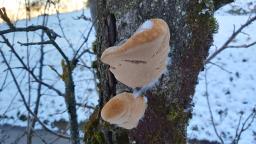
(142, 58)
(124, 110)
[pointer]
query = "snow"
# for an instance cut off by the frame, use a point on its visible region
(52, 107)
(232, 90)
(148, 24)
(231, 84)
(238, 7)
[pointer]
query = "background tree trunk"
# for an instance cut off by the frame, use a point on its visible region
(169, 103)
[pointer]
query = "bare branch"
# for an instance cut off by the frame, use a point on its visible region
(85, 40)
(31, 28)
(50, 33)
(243, 46)
(238, 126)
(210, 110)
(4, 81)
(38, 135)
(24, 100)
(83, 52)
(222, 68)
(246, 124)
(62, 30)
(28, 70)
(52, 68)
(61, 52)
(82, 16)
(230, 39)
(252, 117)
(19, 137)
(4, 16)
(84, 65)
(85, 106)
(35, 43)
(40, 77)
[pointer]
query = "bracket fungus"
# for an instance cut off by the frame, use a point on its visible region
(124, 110)
(142, 58)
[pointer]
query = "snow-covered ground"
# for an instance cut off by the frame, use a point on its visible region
(231, 84)
(238, 7)
(52, 107)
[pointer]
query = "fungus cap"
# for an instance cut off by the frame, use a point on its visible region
(142, 58)
(116, 110)
(138, 110)
(125, 110)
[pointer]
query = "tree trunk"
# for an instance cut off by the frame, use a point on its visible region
(191, 26)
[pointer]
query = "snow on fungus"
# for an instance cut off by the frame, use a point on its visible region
(124, 110)
(146, 25)
(142, 58)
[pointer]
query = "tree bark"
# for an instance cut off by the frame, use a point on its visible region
(70, 100)
(191, 26)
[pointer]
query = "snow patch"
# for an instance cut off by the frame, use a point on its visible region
(145, 26)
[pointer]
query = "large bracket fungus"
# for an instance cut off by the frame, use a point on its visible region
(124, 110)
(142, 58)
(137, 62)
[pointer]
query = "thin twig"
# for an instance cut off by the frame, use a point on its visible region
(62, 30)
(31, 28)
(222, 68)
(28, 70)
(230, 39)
(85, 106)
(24, 100)
(76, 56)
(83, 52)
(246, 124)
(35, 43)
(210, 110)
(242, 46)
(50, 33)
(237, 128)
(4, 16)
(38, 135)
(16, 141)
(53, 69)
(40, 77)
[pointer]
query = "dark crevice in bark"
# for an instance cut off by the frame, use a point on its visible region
(111, 27)
(106, 37)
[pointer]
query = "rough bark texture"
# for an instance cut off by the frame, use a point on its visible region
(169, 102)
